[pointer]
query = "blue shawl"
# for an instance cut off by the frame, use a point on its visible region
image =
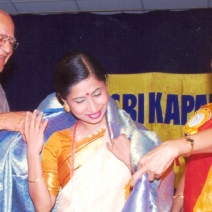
(14, 194)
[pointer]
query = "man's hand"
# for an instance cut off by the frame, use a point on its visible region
(12, 121)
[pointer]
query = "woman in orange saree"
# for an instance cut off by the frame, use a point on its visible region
(77, 159)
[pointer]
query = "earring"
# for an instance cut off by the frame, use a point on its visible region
(66, 107)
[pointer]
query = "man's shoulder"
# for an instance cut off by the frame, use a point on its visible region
(4, 107)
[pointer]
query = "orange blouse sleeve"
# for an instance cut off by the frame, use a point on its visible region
(50, 156)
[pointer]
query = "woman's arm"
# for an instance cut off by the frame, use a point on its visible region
(178, 197)
(202, 141)
(159, 159)
(34, 135)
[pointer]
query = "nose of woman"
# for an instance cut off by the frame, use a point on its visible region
(92, 106)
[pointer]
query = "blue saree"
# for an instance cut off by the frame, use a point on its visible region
(145, 196)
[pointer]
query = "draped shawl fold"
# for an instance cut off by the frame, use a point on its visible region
(146, 196)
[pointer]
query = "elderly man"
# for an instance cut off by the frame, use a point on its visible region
(8, 120)
(14, 195)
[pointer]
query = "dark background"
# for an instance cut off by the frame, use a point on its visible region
(160, 41)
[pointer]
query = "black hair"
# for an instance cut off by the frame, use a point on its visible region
(75, 67)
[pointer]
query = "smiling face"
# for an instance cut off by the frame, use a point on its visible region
(88, 100)
(6, 28)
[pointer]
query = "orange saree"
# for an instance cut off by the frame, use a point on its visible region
(56, 159)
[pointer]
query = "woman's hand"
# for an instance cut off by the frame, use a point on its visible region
(177, 205)
(120, 147)
(156, 162)
(34, 129)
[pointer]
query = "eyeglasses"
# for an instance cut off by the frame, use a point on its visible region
(12, 41)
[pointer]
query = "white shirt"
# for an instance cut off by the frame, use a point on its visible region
(4, 107)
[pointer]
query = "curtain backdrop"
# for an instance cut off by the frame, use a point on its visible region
(177, 42)
(161, 41)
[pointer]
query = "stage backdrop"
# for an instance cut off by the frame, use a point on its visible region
(162, 102)
(160, 41)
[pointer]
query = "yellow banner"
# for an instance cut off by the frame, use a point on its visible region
(162, 102)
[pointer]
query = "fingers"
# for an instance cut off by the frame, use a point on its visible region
(114, 140)
(26, 123)
(109, 146)
(33, 124)
(30, 122)
(123, 135)
(44, 125)
(151, 176)
(24, 138)
(36, 120)
(158, 176)
(137, 175)
(145, 166)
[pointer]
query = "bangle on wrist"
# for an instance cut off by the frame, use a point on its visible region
(35, 181)
(178, 195)
(190, 142)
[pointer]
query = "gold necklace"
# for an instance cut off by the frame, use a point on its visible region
(80, 137)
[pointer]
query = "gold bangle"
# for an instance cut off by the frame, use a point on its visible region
(178, 195)
(35, 181)
(190, 141)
